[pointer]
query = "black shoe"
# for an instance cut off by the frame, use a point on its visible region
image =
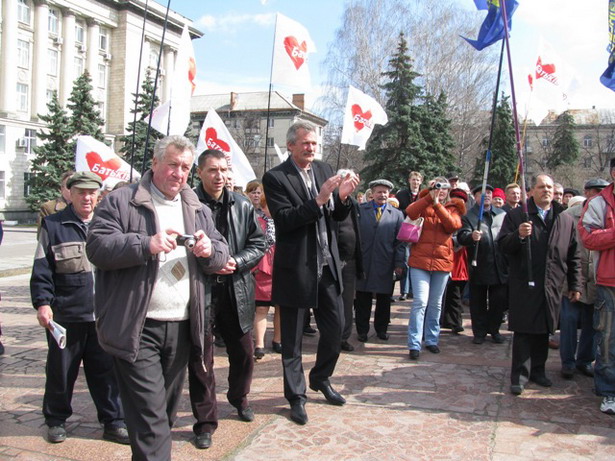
(1, 348)
(516, 389)
(414, 354)
(259, 353)
(202, 441)
(587, 370)
(478, 339)
(403, 297)
(457, 330)
(332, 396)
(362, 338)
(541, 381)
(117, 434)
(277, 347)
(567, 373)
(497, 338)
(56, 434)
(219, 342)
(346, 346)
(433, 349)
(297, 413)
(309, 331)
(383, 336)
(246, 414)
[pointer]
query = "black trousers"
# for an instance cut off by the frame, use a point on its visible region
(363, 312)
(452, 309)
(487, 303)
(151, 387)
(329, 320)
(62, 369)
(349, 281)
(240, 350)
(529, 356)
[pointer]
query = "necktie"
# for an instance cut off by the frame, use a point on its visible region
(378, 213)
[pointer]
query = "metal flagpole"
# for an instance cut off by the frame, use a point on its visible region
(270, 87)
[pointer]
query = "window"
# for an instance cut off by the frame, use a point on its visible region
(79, 32)
(102, 76)
(49, 95)
(103, 39)
(23, 11)
(2, 184)
(23, 54)
(30, 137)
(53, 21)
(22, 97)
(78, 66)
(101, 110)
(587, 162)
(270, 142)
(545, 142)
(2, 139)
(27, 180)
(52, 56)
(153, 57)
(587, 140)
(271, 122)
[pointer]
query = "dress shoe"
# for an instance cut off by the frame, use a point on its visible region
(117, 434)
(297, 413)
(497, 338)
(246, 414)
(383, 336)
(403, 297)
(516, 389)
(553, 344)
(433, 349)
(202, 441)
(414, 354)
(1, 348)
(478, 339)
(586, 369)
(541, 381)
(457, 330)
(259, 353)
(346, 346)
(332, 396)
(56, 434)
(277, 347)
(362, 338)
(219, 342)
(309, 331)
(567, 372)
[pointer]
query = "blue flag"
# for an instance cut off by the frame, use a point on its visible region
(608, 77)
(492, 29)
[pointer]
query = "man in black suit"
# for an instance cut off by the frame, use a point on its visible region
(306, 199)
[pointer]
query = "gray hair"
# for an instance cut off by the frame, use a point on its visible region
(291, 134)
(179, 142)
(534, 180)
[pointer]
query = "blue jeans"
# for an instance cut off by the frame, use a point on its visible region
(570, 352)
(428, 288)
(604, 368)
(406, 284)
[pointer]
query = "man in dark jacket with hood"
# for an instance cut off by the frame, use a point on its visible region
(534, 310)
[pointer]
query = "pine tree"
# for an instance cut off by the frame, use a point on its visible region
(140, 128)
(53, 158)
(85, 118)
(565, 145)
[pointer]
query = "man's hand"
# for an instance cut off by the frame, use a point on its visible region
(202, 247)
(574, 296)
(231, 266)
(348, 185)
(327, 189)
(525, 229)
(44, 315)
(163, 242)
(398, 271)
(477, 235)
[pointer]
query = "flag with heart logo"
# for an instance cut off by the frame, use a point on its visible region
(361, 114)
(292, 44)
(177, 108)
(95, 156)
(492, 30)
(215, 135)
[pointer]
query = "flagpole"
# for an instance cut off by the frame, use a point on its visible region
(134, 121)
(528, 243)
(339, 154)
(151, 108)
(275, 31)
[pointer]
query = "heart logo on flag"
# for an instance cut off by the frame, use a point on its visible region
(546, 71)
(296, 52)
(192, 73)
(361, 119)
(212, 141)
(104, 169)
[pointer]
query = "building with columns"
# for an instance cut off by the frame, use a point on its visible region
(46, 44)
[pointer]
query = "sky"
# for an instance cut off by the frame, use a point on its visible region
(235, 52)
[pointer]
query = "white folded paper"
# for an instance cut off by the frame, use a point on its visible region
(59, 333)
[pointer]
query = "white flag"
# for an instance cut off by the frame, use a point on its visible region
(95, 156)
(362, 113)
(281, 156)
(178, 106)
(291, 47)
(215, 135)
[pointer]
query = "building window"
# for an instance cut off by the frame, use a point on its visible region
(270, 142)
(103, 39)
(23, 11)
(23, 54)
(53, 62)
(102, 76)
(587, 162)
(545, 142)
(22, 97)
(587, 140)
(49, 95)
(153, 57)
(78, 66)
(53, 21)
(2, 139)
(79, 32)
(30, 138)
(27, 180)
(271, 122)
(2, 184)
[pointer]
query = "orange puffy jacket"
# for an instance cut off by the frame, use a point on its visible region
(434, 250)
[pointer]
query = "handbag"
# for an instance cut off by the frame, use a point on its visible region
(410, 230)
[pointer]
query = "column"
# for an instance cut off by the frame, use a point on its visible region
(92, 47)
(8, 76)
(67, 62)
(40, 57)
(169, 67)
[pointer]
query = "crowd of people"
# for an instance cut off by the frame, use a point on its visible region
(175, 266)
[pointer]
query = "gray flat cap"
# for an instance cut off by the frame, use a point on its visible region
(596, 183)
(381, 182)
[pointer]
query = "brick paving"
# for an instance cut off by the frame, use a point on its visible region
(454, 405)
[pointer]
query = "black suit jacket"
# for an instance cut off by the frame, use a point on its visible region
(295, 214)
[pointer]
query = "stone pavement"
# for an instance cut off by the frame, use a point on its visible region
(454, 405)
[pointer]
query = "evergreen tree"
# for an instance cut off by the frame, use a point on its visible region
(53, 157)
(85, 118)
(504, 158)
(565, 145)
(140, 128)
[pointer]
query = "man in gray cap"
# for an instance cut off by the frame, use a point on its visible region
(383, 255)
(593, 187)
(62, 289)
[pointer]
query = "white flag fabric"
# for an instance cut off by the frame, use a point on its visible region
(362, 113)
(178, 106)
(215, 135)
(292, 44)
(95, 156)
(281, 156)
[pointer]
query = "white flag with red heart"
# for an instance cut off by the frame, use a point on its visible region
(292, 44)
(215, 135)
(177, 108)
(361, 114)
(95, 156)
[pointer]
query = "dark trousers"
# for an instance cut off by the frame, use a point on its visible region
(329, 320)
(571, 351)
(349, 281)
(529, 355)
(363, 312)
(151, 387)
(487, 304)
(62, 369)
(452, 309)
(240, 350)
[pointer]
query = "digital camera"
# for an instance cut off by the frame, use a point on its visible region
(441, 185)
(186, 240)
